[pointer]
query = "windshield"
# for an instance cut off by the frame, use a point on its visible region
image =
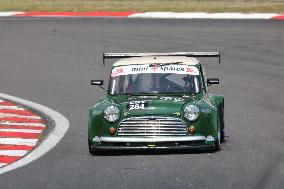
(141, 82)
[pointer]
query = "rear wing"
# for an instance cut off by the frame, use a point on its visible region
(187, 54)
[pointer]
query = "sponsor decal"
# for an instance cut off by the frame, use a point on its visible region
(154, 68)
(126, 114)
(175, 99)
(117, 71)
(151, 145)
(143, 97)
(97, 139)
(209, 138)
(176, 114)
(137, 105)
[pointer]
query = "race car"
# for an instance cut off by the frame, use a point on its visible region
(157, 101)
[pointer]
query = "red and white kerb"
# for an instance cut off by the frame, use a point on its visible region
(20, 130)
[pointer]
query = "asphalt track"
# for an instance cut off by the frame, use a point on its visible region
(51, 61)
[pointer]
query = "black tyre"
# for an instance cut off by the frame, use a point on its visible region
(91, 151)
(217, 143)
(222, 123)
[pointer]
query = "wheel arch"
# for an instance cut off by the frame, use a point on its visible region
(217, 99)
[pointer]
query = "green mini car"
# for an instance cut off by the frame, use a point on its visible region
(157, 101)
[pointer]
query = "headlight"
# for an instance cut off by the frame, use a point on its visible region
(191, 112)
(111, 113)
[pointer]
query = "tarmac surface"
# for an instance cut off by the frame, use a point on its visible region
(52, 60)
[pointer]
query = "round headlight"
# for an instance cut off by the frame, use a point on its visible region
(111, 113)
(191, 112)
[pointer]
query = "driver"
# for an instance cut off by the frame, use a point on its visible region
(146, 83)
(188, 83)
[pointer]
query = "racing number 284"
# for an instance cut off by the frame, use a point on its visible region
(136, 105)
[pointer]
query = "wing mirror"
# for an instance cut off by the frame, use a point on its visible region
(212, 81)
(97, 82)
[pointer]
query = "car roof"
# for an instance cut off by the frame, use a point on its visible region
(156, 60)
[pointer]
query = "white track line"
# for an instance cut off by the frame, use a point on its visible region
(18, 141)
(1, 100)
(11, 108)
(2, 164)
(13, 152)
(18, 116)
(22, 124)
(21, 130)
(61, 125)
(203, 15)
(9, 13)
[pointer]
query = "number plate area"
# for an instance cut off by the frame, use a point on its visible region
(137, 105)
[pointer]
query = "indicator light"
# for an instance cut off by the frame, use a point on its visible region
(112, 130)
(191, 129)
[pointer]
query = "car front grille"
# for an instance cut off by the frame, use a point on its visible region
(152, 126)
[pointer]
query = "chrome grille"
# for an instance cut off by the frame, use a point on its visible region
(152, 126)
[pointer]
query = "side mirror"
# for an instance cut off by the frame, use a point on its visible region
(213, 81)
(97, 82)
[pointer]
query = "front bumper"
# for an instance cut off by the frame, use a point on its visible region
(180, 147)
(153, 139)
(159, 143)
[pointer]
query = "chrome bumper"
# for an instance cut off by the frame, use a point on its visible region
(135, 148)
(152, 139)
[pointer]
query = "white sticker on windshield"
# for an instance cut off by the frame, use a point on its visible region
(154, 68)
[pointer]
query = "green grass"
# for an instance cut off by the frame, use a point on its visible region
(144, 5)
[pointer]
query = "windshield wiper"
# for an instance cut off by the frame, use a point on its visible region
(164, 64)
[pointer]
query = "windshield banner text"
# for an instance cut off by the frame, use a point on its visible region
(153, 68)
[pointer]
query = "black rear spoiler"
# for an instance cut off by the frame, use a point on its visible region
(187, 54)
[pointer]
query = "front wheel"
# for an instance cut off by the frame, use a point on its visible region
(91, 151)
(218, 142)
(222, 124)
